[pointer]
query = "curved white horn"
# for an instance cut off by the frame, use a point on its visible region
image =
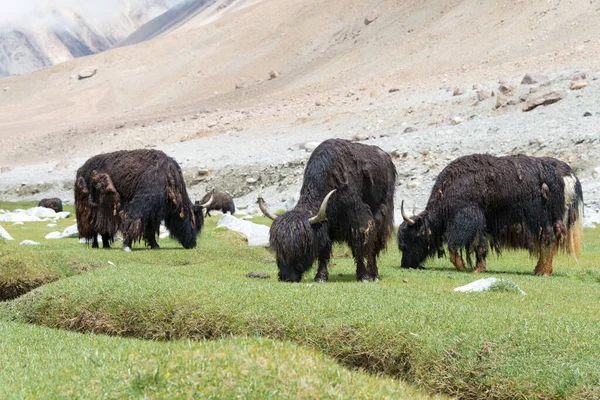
(263, 207)
(321, 215)
(404, 216)
(208, 203)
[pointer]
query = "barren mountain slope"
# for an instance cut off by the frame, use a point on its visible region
(319, 48)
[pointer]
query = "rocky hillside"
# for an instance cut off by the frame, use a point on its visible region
(31, 39)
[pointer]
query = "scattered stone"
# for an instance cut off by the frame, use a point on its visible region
(587, 114)
(6, 89)
(110, 263)
(310, 146)
(257, 275)
(506, 89)
(273, 74)
(533, 79)
(53, 235)
(251, 180)
(503, 100)
(211, 124)
(256, 234)
(241, 83)
(405, 280)
(372, 16)
(360, 137)
(392, 90)
(490, 284)
(4, 235)
(576, 85)
(412, 185)
(87, 73)
(483, 95)
(542, 99)
(456, 120)
(580, 76)
(202, 172)
(318, 104)
(410, 129)
(457, 92)
(28, 243)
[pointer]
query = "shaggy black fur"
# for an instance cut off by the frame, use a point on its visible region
(360, 212)
(54, 203)
(221, 201)
(510, 202)
(131, 192)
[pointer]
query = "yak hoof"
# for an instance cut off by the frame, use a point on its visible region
(320, 279)
(126, 248)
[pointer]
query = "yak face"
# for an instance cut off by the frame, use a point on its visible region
(185, 227)
(414, 241)
(295, 243)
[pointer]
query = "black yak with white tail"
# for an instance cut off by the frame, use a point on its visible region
(132, 192)
(511, 202)
(53, 203)
(220, 201)
(347, 196)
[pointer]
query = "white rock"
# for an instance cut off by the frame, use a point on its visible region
(70, 231)
(53, 235)
(19, 223)
(18, 217)
(4, 235)
(483, 285)
(63, 214)
(51, 225)
(258, 235)
(28, 242)
(41, 212)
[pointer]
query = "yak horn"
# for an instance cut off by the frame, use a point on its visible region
(263, 207)
(321, 215)
(404, 216)
(208, 203)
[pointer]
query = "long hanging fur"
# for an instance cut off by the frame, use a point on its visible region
(132, 192)
(360, 212)
(512, 202)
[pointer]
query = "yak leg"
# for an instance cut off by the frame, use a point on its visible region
(324, 255)
(481, 253)
(127, 244)
(456, 259)
(544, 264)
(152, 242)
(105, 241)
(95, 242)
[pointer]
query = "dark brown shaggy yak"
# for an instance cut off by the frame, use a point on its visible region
(511, 202)
(221, 202)
(132, 192)
(54, 203)
(347, 196)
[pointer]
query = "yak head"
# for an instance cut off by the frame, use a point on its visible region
(414, 240)
(295, 238)
(185, 226)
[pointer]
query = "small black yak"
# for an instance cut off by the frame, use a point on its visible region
(513, 202)
(347, 196)
(53, 203)
(221, 201)
(132, 192)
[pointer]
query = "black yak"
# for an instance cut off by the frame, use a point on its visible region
(511, 202)
(347, 196)
(53, 203)
(220, 201)
(132, 192)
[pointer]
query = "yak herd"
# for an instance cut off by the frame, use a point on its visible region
(478, 202)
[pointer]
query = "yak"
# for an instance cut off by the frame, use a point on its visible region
(53, 203)
(221, 201)
(132, 192)
(511, 202)
(347, 196)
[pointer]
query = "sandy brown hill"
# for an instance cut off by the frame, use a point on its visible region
(316, 46)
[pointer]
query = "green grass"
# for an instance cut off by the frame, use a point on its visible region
(40, 362)
(410, 325)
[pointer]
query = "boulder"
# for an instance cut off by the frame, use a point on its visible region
(542, 99)
(87, 73)
(4, 235)
(372, 16)
(531, 78)
(257, 234)
(70, 231)
(28, 243)
(487, 284)
(53, 235)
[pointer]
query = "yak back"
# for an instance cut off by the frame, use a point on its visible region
(364, 177)
(520, 197)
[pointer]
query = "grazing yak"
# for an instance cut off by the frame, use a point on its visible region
(53, 203)
(132, 192)
(221, 201)
(347, 196)
(511, 202)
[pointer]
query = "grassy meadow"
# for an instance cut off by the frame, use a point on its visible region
(276, 340)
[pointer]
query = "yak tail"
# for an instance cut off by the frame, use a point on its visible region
(573, 217)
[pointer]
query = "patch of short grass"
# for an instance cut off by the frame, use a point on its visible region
(410, 325)
(37, 361)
